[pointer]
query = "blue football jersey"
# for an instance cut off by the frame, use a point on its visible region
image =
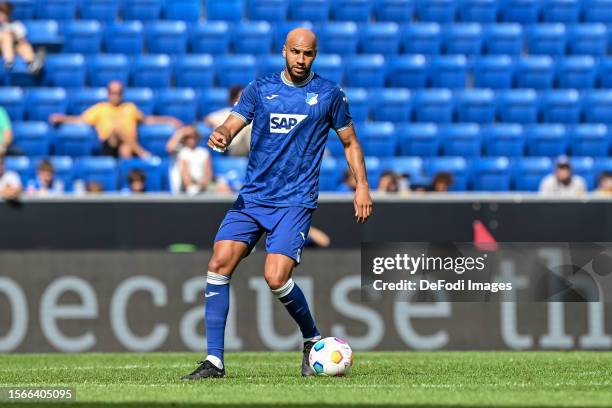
(290, 127)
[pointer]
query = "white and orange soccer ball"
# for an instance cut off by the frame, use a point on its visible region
(331, 356)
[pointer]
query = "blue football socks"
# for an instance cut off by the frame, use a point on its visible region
(217, 306)
(292, 297)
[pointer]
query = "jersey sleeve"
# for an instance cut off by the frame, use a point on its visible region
(340, 117)
(245, 108)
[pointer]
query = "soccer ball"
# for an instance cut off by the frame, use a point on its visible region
(331, 356)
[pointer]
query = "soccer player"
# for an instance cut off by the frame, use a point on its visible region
(292, 112)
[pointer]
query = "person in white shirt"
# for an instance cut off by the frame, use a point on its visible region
(563, 182)
(192, 171)
(10, 183)
(241, 143)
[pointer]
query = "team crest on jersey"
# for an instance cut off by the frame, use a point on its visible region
(284, 122)
(312, 98)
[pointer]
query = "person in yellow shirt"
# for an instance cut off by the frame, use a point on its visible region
(116, 123)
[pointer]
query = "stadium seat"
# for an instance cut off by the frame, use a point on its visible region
(584, 167)
(211, 100)
(561, 11)
(13, 101)
(407, 71)
(597, 106)
(491, 174)
(440, 11)
(461, 139)
(528, 172)
(83, 36)
(597, 11)
(23, 10)
(177, 102)
(359, 103)
(503, 139)
(535, 72)
(589, 140)
(166, 37)
(61, 10)
(267, 10)
(391, 104)
(546, 140)
(308, 10)
(379, 38)
(337, 37)
(367, 71)
(65, 70)
(478, 11)
(475, 105)
(518, 106)
(577, 71)
(20, 165)
(433, 105)
(418, 139)
(151, 71)
(546, 39)
(448, 71)
(142, 10)
(561, 106)
(404, 165)
(183, 10)
(493, 71)
(329, 66)
(212, 37)
(252, 38)
(520, 11)
(377, 138)
(154, 138)
(588, 39)
(151, 167)
(75, 140)
(124, 38)
(604, 73)
(226, 165)
(235, 70)
(350, 10)
(103, 10)
(41, 102)
(101, 170)
(280, 31)
(43, 32)
(63, 170)
(504, 39)
(602, 165)
(225, 10)
(331, 174)
(399, 11)
(194, 70)
(142, 98)
(421, 38)
(465, 38)
(373, 169)
(456, 166)
(32, 138)
(79, 100)
(103, 68)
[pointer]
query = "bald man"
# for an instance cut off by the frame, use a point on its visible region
(291, 112)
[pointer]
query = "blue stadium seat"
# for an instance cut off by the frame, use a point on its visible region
(272, 64)
(66, 70)
(308, 10)
(440, 11)
(103, 68)
(478, 11)
(546, 39)
(56, 9)
(13, 101)
(528, 172)
(373, 169)
(82, 36)
(143, 10)
(433, 105)
(448, 71)
(475, 105)
(602, 165)
(351, 10)
(421, 38)
(151, 167)
(359, 103)
(43, 32)
(177, 102)
(23, 10)
(213, 99)
(154, 138)
(546, 140)
(407, 71)
(41, 102)
(82, 99)
(561, 106)
(399, 11)
(367, 71)
(588, 39)
(252, 38)
(329, 66)
(166, 37)
(576, 71)
(267, 10)
(463, 38)
(235, 70)
(225, 10)
(101, 170)
(151, 71)
(457, 166)
(32, 138)
(379, 38)
(589, 140)
(184, 10)
(391, 104)
(518, 106)
(561, 11)
(604, 73)
(377, 138)
(503, 139)
(331, 174)
(418, 139)
(63, 170)
(20, 165)
(282, 29)
(491, 174)
(535, 72)
(585, 167)
(461, 139)
(142, 98)
(103, 10)
(212, 37)
(194, 70)
(493, 71)
(597, 106)
(225, 165)
(503, 39)
(124, 38)
(405, 165)
(337, 37)
(521, 11)
(597, 11)
(75, 140)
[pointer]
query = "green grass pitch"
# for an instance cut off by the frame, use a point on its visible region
(412, 379)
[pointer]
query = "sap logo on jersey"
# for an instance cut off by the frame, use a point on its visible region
(284, 122)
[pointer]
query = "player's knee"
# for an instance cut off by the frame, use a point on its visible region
(275, 278)
(220, 263)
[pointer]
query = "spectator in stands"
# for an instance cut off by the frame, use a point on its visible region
(116, 123)
(10, 183)
(45, 183)
(391, 182)
(604, 187)
(349, 183)
(136, 181)
(6, 132)
(192, 172)
(241, 144)
(13, 41)
(441, 182)
(94, 187)
(563, 182)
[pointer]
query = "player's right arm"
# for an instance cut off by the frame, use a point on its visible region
(222, 136)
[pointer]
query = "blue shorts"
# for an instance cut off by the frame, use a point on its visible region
(287, 227)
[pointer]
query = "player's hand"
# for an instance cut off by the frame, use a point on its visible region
(218, 141)
(363, 204)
